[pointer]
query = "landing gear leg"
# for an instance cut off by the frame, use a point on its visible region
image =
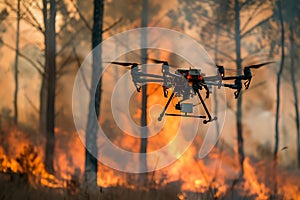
(165, 108)
(205, 108)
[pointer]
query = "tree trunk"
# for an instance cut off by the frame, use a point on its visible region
(240, 141)
(90, 173)
(51, 82)
(279, 74)
(17, 65)
(144, 133)
(295, 91)
(43, 90)
(43, 102)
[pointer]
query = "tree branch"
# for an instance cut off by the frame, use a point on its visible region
(24, 17)
(38, 25)
(81, 15)
(34, 65)
(220, 52)
(252, 54)
(112, 25)
(32, 104)
(255, 26)
(214, 23)
(60, 71)
(251, 16)
(79, 64)
(70, 41)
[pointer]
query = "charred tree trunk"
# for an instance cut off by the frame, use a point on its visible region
(144, 133)
(279, 74)
(51, 83)
(239, 125)
(91, 152)
(295, 90)
(17, 65)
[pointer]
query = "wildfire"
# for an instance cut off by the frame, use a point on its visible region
(30, 164)
(252, 184)
(213, 175)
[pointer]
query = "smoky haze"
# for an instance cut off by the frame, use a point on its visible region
(259, 102)
(195, 19)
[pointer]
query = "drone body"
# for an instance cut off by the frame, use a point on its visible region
(187, 83)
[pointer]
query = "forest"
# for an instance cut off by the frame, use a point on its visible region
(69, 93)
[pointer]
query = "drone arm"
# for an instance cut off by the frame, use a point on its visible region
(237, 86)
(144, 80)
(233, 77)
(138, 79)
(211, 83)
(144, 75)
(212, 78)
(232, 86)
(137, 82)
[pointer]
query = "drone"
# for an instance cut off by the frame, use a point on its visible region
(187, 83)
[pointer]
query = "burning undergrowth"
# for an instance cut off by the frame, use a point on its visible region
(214, 177)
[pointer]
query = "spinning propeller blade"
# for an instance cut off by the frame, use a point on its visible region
(125, 64)
(158, 61)
(256, 66)
(162, 62)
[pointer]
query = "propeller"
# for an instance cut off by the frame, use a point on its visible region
(162, 62)
(246, 69)
(125, 64)
(256, 66)
(158, 61)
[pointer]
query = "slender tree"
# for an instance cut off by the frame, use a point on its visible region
(278, 96)
(239, 113)
(29, 17)
(16, 68)
(295, 90)
(144, 141)
(43, 89)
(292, 17)
(50, 67)
(91, 152)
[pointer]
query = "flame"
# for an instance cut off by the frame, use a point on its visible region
(34, 169)
(198, 176)
(214, 174)
(252, 184)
